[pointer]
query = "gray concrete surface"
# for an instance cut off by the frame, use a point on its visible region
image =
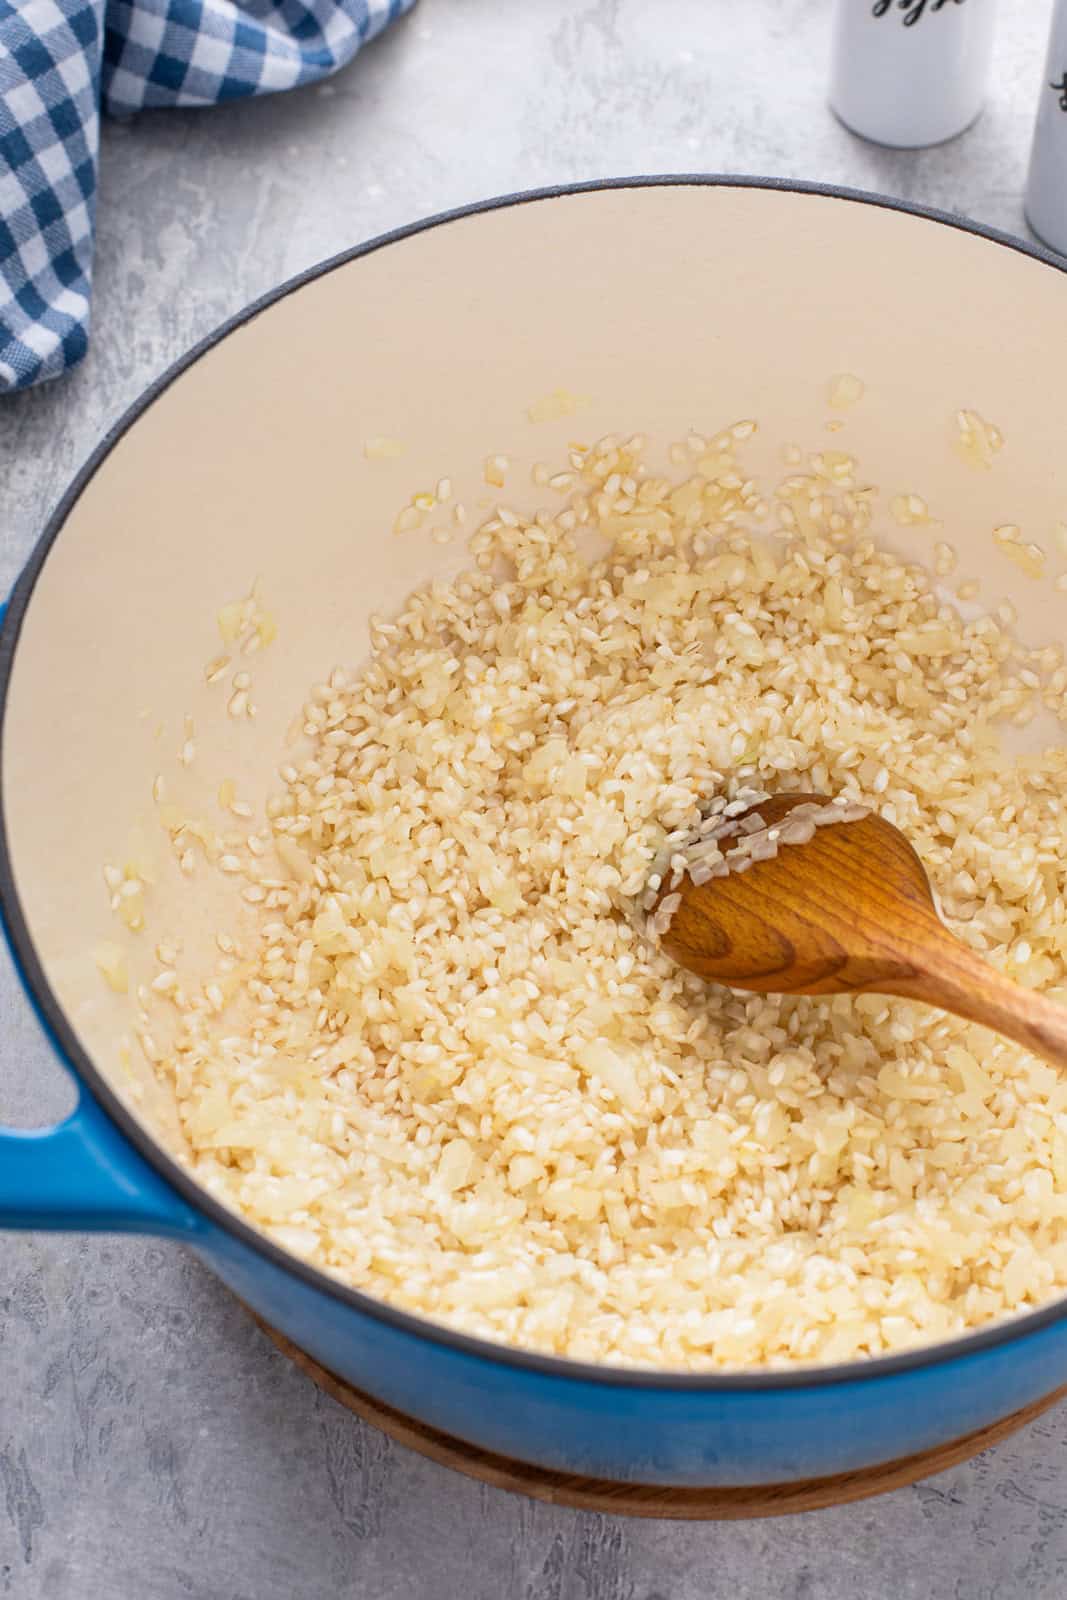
(152, 1445)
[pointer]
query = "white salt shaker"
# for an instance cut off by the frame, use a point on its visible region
(911, 72)
(1046, 189)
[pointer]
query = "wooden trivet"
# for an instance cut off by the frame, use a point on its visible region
(653, 1500)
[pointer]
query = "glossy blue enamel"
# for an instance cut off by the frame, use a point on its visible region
(632, 1433)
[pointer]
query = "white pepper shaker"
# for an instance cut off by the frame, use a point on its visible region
(1046, 189)
(909, 73)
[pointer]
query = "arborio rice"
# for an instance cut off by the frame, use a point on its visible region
(454, 1073)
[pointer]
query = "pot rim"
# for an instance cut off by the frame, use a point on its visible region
(62, 1035)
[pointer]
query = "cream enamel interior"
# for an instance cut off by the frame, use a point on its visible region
(671, 308)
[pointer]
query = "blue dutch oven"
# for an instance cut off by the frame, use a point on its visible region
(665, 304)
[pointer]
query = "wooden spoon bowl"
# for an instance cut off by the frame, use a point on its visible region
(850, 911)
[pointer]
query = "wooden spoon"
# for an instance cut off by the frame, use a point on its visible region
(848, 912)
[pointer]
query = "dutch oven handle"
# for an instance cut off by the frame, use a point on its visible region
(83, 1176)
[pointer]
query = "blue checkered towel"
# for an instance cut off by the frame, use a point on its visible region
(60, 60)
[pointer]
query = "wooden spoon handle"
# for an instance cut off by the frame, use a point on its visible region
(956, 979)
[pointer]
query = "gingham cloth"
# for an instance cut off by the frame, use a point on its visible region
(60, 62)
